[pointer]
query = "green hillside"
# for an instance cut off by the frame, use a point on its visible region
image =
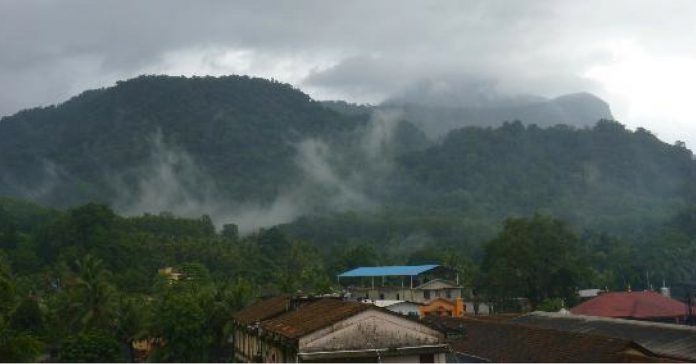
(237, 129)
(260, 153)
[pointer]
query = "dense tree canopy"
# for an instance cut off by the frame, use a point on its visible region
(537, 258)
(98, 283)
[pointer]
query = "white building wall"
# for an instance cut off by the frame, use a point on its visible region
(484, 309)
(405, 308)
(370, 329)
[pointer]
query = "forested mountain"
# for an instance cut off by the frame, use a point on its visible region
(260, 153)
(314, 189)
(240, 130)
(605, 174)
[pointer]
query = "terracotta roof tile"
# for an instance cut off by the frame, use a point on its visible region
(263, 310)
(313, 316)
(638, 305)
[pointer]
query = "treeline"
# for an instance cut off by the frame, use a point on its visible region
(85, 284)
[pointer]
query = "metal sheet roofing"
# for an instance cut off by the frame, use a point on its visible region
(676, 341)
(397, 270)
(507, 342)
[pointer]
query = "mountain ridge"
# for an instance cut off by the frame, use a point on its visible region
(262, 153)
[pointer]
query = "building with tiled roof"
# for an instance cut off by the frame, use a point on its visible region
(314, 316)
(670, 341)
(476, 340)
(263, 310)
(640, 305)
(331, 329)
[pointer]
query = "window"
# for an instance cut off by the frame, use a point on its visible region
(381, 296)
(449, 293)
(397, 296)
(426, 294)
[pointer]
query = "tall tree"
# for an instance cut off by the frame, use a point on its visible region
(16, 345)
(536, 257)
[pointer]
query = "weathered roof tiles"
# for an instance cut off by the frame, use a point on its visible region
(312, 317)
(263, 310)
(506, 342)
(669, 340)
(637, 305)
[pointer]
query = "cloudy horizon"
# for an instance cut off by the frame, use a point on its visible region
(636, 55)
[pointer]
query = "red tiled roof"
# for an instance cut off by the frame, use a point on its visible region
(263, 310)
(313, 316)
(637, 305)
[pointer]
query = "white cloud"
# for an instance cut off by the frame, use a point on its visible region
(650, 90)
(362, 50)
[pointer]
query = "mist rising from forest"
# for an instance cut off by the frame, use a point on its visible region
(171, 181)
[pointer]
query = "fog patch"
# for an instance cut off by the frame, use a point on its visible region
(50, 175)
(171, 181)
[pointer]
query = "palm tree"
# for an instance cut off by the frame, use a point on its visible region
(15, 346)
(132, 320)
(91, 295)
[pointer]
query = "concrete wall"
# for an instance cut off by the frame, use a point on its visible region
(484, 309)
(247, 345)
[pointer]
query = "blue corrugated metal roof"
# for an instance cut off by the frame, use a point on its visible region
(396, 270)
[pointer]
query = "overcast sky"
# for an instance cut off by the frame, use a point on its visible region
(640, 56)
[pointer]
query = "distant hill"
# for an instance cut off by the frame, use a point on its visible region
(578, 110)
(437, 118)
(260, 153)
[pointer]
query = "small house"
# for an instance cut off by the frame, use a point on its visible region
(332, 330)
(420, 283)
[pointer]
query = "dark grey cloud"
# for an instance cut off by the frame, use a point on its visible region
(635, 54)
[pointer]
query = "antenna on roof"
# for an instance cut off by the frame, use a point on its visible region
(664, 290)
